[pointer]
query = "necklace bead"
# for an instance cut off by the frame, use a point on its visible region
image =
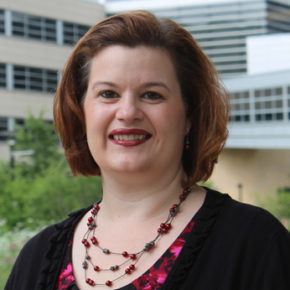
(91, 223)
(125, 254)
(106, 251)
(94, 240)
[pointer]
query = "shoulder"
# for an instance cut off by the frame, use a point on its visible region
(243, 222)
(42, 254)
(253, 218)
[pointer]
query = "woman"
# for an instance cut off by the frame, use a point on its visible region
(141, 105)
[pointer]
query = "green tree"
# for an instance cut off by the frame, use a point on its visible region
(38, 136)
(40, 189)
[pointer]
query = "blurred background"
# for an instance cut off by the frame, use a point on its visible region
(247, 40)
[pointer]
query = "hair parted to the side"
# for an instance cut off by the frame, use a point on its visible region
(206, 101)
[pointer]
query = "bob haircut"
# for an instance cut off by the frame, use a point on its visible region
(206, 101)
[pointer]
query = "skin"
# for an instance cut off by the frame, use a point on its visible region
(135, 88)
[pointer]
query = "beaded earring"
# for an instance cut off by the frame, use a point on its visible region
(187, 142)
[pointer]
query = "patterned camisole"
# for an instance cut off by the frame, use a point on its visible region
(152, 279)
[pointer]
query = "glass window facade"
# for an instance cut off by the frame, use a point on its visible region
(3, 75)
(41, 28)
(221, 28)
(3, 128)
(269, 104)
(240, 107)
(72, 32)
(33, 27)
(34, 79)
(279, 20)
(260, 105)
(2, 22)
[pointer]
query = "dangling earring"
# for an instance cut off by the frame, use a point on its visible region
(187, 142)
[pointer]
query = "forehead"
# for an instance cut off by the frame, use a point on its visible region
(139, 61)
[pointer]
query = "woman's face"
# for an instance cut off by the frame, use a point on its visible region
(134, 113)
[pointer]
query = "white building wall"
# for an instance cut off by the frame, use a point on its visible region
(261, 134)
(18, 104)
(268, 53)
(69, 10)
(34, 59)
(33, 53)
(119, 6)
(27, 52)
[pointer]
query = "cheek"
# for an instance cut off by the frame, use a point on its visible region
(176, 118)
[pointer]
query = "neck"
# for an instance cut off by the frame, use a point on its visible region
(139, 198)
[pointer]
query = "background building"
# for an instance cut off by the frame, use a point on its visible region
(257, 153)
(249, 42)
(220, 26)
(36, 36)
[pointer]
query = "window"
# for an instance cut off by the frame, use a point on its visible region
(72, 32)
(240, 107)
(33, 27)
(3, 129)
(240, 118)
(2, 75)
(2, 22)
(269, 104)
(34, 79)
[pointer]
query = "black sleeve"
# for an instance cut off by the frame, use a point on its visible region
(274, 266)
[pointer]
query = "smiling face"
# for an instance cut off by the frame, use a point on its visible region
(134, 113)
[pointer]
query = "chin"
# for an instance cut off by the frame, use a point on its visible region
(130, 166)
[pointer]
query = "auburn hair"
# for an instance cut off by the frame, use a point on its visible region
(206, 101)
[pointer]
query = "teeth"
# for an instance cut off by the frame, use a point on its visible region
(129, 137)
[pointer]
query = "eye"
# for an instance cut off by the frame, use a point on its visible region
(152, 96)
(108, 94)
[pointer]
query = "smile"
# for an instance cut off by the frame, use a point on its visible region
(129, 137)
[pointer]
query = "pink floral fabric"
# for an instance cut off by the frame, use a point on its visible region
(152, 279)
(66, 277)
(157, 274)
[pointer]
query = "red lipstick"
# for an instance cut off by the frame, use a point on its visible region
(129, 136)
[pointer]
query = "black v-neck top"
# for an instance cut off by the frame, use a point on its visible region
(153, 278)
(232, 246)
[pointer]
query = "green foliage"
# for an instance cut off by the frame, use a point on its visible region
(38, 136)
(40, 189)
(10, 245)
(208, 184)
(283, 200)
(47, 198)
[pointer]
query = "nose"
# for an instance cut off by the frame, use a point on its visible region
(129, 109)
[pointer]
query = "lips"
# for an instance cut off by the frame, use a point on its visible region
(129, 137)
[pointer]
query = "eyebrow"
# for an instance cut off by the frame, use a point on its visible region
(104, 83)
(157, 84)
(147, 85)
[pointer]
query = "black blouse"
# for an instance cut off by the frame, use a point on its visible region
(232, 246)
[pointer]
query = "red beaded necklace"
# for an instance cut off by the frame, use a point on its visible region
(130, 259)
